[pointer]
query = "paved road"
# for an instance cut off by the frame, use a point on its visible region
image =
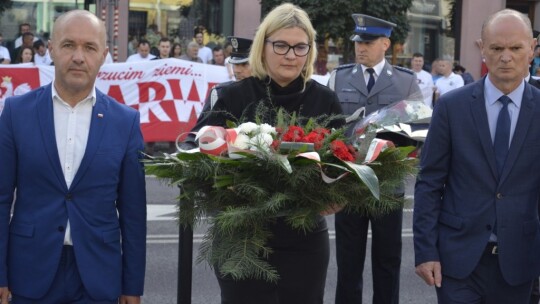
(162, 248)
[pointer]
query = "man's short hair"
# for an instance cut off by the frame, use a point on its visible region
(417, 55)
(164, 39)
(217, 48)
(143, 41)
(38, 43)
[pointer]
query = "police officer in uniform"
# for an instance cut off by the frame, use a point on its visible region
(370, 84)
(240, 65)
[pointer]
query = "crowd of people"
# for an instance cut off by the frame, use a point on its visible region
(31, 49)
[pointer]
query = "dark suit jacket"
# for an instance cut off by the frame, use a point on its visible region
(105, 203)
(459, 195)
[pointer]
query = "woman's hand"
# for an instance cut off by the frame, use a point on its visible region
(333, 208)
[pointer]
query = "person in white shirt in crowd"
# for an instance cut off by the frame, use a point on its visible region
(24, 28)
(41, 54)
(449, 80)
(192, 53)
(143, 52)
(5, 58)
(205, 53)
(425, 79)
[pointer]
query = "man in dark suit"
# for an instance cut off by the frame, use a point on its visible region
(368, 86)
(535, 295)
(72, 155)
(476, 228)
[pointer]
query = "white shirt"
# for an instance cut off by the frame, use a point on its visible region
(447, 84)
(425, 82)
(4, 53)
(71, 129)
(18, 41)
(42, 60)
(137, 57)
(493, 106)
(205, 53)
(377, 68)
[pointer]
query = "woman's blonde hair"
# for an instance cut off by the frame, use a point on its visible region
(283, 16)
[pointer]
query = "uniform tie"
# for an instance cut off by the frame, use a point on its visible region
(502, 133)
(371, 80)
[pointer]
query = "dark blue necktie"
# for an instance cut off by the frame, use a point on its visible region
(371, 80)
(502, 133)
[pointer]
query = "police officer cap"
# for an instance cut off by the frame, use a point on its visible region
(240, 52)
(370, 28)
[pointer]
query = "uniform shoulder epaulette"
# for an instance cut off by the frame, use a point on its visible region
(221, 85)
(404, 69)
(345, 66)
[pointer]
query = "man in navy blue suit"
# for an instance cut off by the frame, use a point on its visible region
(476, 227)
(72, 156)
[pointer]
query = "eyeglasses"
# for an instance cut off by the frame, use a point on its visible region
(282, 48)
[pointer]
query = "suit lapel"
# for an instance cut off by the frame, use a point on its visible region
(97, 126)
(46, 123)
(524, 120)
(478, 109)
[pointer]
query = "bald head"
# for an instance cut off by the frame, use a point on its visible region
(77, 15)
(505, 14)
(78, 49)
(507, 46)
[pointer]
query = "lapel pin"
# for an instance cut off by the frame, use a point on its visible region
(100, 115)
(389, 72)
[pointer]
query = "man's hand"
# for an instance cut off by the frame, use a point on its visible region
(430, 272)
(4, 293)
(130, 300)
(331, 210)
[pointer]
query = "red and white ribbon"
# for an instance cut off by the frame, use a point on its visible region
(376, 147)
(213, 140)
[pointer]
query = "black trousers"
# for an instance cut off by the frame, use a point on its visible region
(301, 260)
(351, 239)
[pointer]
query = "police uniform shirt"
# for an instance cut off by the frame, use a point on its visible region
(392, 84)
(447, 84)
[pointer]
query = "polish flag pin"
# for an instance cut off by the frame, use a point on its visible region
(100, 115)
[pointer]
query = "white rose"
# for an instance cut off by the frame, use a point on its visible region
(261, 141)
(268, 129)
(248, 127)
(242, 141)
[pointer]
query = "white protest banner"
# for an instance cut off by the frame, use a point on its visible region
(168, 93)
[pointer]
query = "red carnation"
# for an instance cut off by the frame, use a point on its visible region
(341, 151)
(293, 134)
(316, 137)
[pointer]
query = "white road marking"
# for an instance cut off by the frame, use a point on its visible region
(198, 238)
(160, 212)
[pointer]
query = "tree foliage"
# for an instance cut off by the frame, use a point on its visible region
(4, 5)
(332, 19)
(452, 15)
